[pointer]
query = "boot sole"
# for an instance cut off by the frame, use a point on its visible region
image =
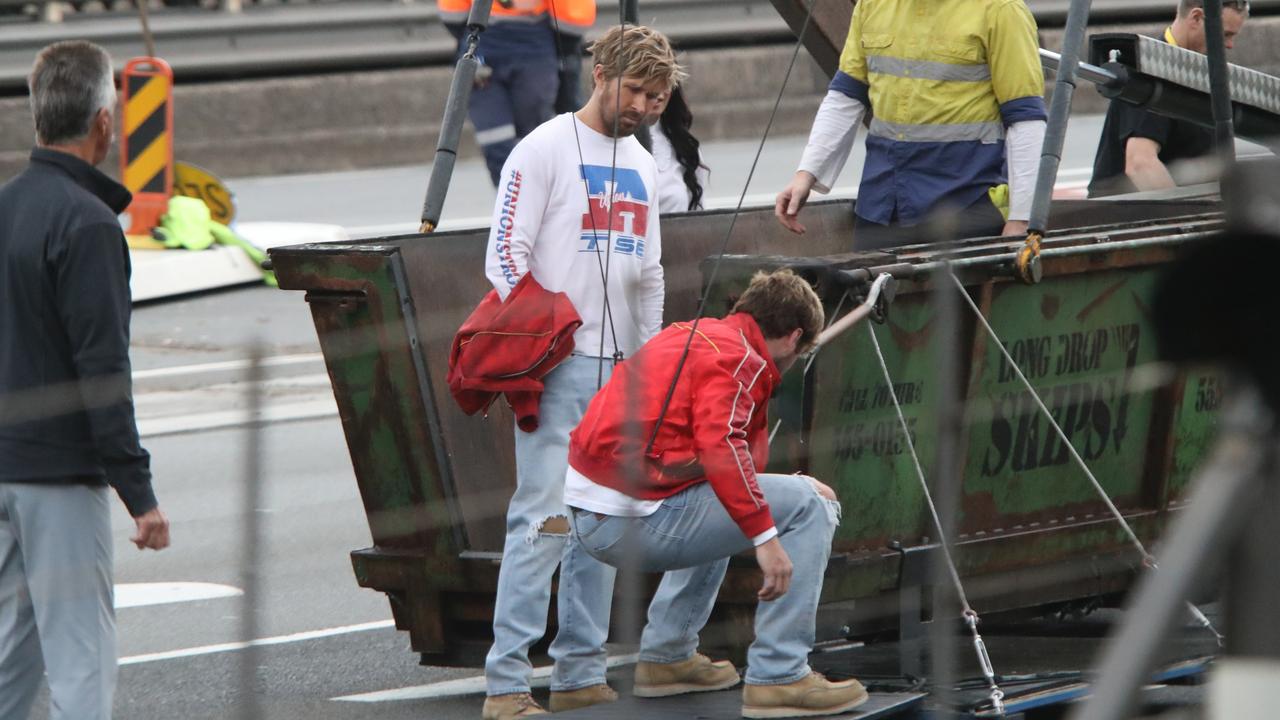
(760, 712)
(657, 691)
(556, 707)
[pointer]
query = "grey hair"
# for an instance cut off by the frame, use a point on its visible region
(69, 83)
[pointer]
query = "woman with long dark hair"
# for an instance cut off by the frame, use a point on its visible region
(682, 177)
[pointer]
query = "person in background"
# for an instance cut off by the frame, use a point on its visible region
(955, 93)
(1138, 147)
(682, 176)
(571, 18)
(67, 428)
(519, 77)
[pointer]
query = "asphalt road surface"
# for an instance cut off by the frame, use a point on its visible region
(316, 636)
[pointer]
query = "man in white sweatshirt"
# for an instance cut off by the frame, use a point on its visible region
(578, 207)
(955, 92)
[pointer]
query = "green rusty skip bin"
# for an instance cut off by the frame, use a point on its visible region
(435, 482)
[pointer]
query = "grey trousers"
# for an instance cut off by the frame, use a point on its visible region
(56, 610)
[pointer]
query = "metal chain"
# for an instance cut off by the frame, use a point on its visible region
(970, 616)
(1147, 558)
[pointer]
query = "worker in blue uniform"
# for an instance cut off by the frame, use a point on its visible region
(955, 94)
(519, 77)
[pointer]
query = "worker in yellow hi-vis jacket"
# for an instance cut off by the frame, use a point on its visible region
(955, 92)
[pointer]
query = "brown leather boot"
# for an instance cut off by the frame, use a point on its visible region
(697, 674)
(508, 707)
(810, 696)
(564, 700)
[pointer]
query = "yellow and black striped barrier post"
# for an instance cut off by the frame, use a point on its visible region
(146, 146)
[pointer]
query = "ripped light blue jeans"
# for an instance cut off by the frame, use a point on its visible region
(691, 532)
(530, 554)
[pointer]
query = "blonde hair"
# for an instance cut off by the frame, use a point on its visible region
(641, 52)
(780, 302)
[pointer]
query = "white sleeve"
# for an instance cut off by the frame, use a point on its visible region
(653, 286)
(523, 191)
(835, 127)
(764, 537)
(1023, 144)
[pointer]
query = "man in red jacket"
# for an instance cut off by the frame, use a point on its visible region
(694, 498)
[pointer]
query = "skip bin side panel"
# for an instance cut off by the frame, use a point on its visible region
(363, 320)
(446, 279)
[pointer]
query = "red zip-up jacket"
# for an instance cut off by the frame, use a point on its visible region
(715, 429)
(509, 346)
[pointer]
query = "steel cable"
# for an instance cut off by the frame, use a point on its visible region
(602, 265)
(724, 244)
(971, 618)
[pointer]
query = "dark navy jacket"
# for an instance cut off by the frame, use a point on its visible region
(66, 405)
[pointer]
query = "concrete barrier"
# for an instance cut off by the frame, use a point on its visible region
(391, 117)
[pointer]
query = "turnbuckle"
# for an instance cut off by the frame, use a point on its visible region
(984, 660)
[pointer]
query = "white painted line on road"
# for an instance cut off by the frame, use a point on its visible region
(226, 365)
(277, 640)
(222, 419)
(130, 595)
(464, 686)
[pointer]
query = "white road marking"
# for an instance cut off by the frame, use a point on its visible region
(223, 419)
(224, 366)
(261, 642)
(131, 595)
(463, 686)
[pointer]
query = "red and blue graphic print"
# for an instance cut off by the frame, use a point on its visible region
(617, 207)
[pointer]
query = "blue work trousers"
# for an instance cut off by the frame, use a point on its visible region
(517, 97)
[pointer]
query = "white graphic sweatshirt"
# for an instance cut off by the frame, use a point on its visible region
(567, 220)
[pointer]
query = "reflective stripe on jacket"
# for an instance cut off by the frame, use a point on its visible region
(573, 16)
(943, 79)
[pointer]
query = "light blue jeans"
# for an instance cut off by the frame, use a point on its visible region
(691, 532)
(56, 610)
(530, 555)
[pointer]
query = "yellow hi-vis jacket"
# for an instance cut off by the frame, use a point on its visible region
(943, 79)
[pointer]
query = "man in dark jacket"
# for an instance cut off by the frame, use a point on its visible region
(67, 427)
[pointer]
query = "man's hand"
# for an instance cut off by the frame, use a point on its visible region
(153, 530)
(1015, 227)
(792, 199)
(776, 566)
